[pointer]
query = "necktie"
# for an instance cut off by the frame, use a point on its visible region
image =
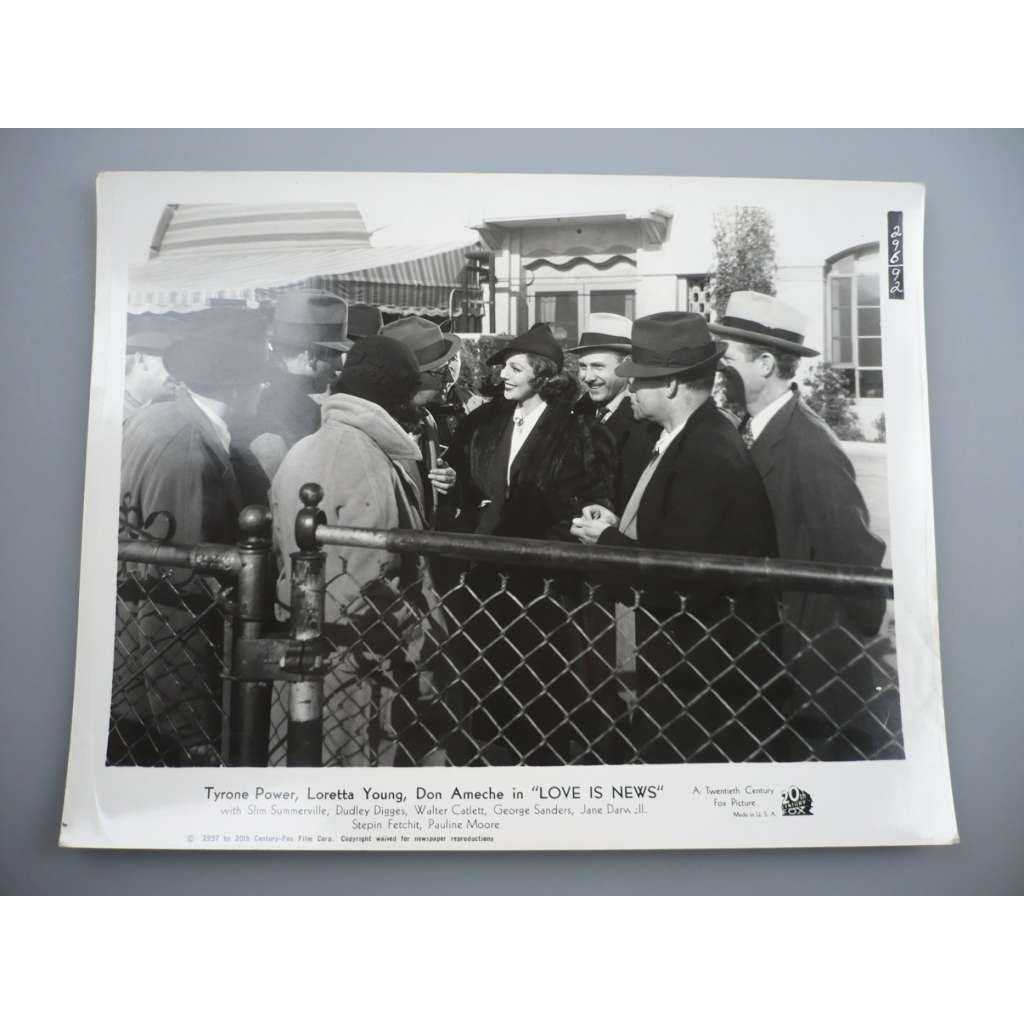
(747, 433)
(627, 524)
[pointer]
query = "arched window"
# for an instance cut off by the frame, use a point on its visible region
(855, 318)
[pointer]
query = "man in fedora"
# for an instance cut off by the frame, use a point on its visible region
(698, 673)
(820, 516)
(364, 321)
(145, 376)
(308, 343)
(434, 351)
(178, 484)
(602, 348)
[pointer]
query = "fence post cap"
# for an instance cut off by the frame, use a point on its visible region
(309, 517)
(311, 495)
(254, 526)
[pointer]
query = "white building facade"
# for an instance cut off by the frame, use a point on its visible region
(559, 269)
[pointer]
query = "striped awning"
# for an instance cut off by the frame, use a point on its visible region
(409, 280)
(395, 277)
(197, 229)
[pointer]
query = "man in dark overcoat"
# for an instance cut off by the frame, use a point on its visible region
(820, 516)
(602, 348)
(178, 484)
(706, 679)
(308, 344)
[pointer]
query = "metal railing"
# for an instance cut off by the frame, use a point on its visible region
(466, 650)
(183, 613)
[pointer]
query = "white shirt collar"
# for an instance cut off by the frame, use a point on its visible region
(520, 434)
(607, 410)
(761, 419)
(530, 418)
(668, 436)
(220, 428)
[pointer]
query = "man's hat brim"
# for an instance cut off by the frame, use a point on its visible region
(453, 341)
(336, 346)
(629, 368)
(767, 340)
(597, 343)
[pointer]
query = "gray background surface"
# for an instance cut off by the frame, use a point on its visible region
(974, 219)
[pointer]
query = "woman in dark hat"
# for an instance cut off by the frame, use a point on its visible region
(530, 464)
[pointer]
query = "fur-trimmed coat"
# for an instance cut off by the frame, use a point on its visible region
(634, 440)
(567, 461)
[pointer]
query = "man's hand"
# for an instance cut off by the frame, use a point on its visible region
(442, 477)
(592, 522)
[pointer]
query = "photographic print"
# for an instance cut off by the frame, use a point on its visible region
(521, 511)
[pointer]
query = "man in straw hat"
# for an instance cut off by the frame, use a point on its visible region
(178, 484)
(700, 492)
(820, 516)
(602, 348)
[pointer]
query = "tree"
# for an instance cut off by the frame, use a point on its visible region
(475, 353)
(744, 242)
(827, 392)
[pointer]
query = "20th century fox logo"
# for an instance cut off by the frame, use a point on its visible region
(796, 801)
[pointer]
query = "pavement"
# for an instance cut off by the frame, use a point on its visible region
(871, 461)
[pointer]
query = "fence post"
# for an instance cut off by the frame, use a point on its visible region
(306, 696)
(250, 699)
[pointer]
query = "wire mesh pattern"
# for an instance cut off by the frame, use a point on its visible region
(446, 657)
(553, 670)
(167, 706)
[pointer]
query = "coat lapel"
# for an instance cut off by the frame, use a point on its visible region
(498, 469)
(654, 496)
(764, 450)
(530, 446)
(621, 421)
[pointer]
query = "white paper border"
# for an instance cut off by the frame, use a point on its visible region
(875, 803)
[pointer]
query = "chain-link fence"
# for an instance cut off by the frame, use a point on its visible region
(400, 648)
(168, 705)
(183, 616)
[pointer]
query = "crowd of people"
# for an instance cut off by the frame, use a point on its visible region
(496, 664)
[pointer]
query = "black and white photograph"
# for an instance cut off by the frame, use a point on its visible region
(551, 498)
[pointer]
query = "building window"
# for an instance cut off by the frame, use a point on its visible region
(855, 320)
(698, 294)
(622, 303)
(560, 310)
